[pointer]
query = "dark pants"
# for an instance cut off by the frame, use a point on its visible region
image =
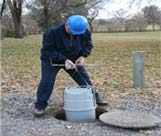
(48, 75)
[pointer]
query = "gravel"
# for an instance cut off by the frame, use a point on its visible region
(17, 119)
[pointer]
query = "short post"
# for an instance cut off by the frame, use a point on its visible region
(138, 68)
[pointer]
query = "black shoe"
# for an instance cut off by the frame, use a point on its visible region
(101, 103)
(38, 113)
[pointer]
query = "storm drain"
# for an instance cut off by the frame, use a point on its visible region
(60, 114)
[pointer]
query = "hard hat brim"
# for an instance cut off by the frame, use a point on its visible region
(77, 32)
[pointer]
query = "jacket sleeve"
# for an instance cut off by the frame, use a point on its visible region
(88, 45)
(49, 48)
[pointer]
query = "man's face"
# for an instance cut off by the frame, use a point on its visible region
(67, 29)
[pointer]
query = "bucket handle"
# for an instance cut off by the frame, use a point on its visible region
(88, 86)
(94, 98)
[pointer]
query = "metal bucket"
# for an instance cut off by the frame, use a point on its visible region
(79, 104)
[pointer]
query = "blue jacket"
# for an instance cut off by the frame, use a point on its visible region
(58, 46)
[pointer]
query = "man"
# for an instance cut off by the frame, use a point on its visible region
(68, 44)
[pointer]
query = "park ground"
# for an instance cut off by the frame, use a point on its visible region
(20, 75)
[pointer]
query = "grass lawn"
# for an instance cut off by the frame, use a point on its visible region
(132, 35)
(21, 63)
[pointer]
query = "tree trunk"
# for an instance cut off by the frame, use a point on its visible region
(46, 19)
(153, 26)
(18, 25)
(1, 35)
(91, 26)
(1, 14)
(18, 30)
(2, 8)
(16, 11)
(90, 20)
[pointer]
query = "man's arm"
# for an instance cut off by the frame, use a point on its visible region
(88, 47)
(49, 49)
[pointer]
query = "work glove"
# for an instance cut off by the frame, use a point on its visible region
(80, 61)
(69, 65)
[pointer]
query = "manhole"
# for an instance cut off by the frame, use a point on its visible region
(60, 115)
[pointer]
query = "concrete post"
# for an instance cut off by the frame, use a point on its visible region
(138, 68)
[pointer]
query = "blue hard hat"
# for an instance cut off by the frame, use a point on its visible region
(77, 24)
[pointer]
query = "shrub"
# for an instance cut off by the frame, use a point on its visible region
(6, 32)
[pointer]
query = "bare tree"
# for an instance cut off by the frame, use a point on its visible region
(7, 22)
(49, 12)
(136, 23)
(2, 9)
(93, 7)
(15, 7)
(152, 15)
(160, 20)
(29, 24)
(120, 19)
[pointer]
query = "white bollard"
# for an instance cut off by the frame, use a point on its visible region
(138, 68)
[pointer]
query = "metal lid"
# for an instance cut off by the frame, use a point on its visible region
(130, 119)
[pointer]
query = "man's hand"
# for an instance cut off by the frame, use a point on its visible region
(69, 65)
(80, 61)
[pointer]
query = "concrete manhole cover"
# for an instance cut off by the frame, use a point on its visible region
(129, 119)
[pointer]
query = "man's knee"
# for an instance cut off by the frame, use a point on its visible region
(46, 83)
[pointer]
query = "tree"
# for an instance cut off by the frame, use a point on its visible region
(1, 14)
(160, 20)
(93, 7)
(15, 7)
(135, 23)
(29, 24)
(152, 15)
(120, 17)
(49, 12)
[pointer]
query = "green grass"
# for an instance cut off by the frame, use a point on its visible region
(21, 63)
(133, 35)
